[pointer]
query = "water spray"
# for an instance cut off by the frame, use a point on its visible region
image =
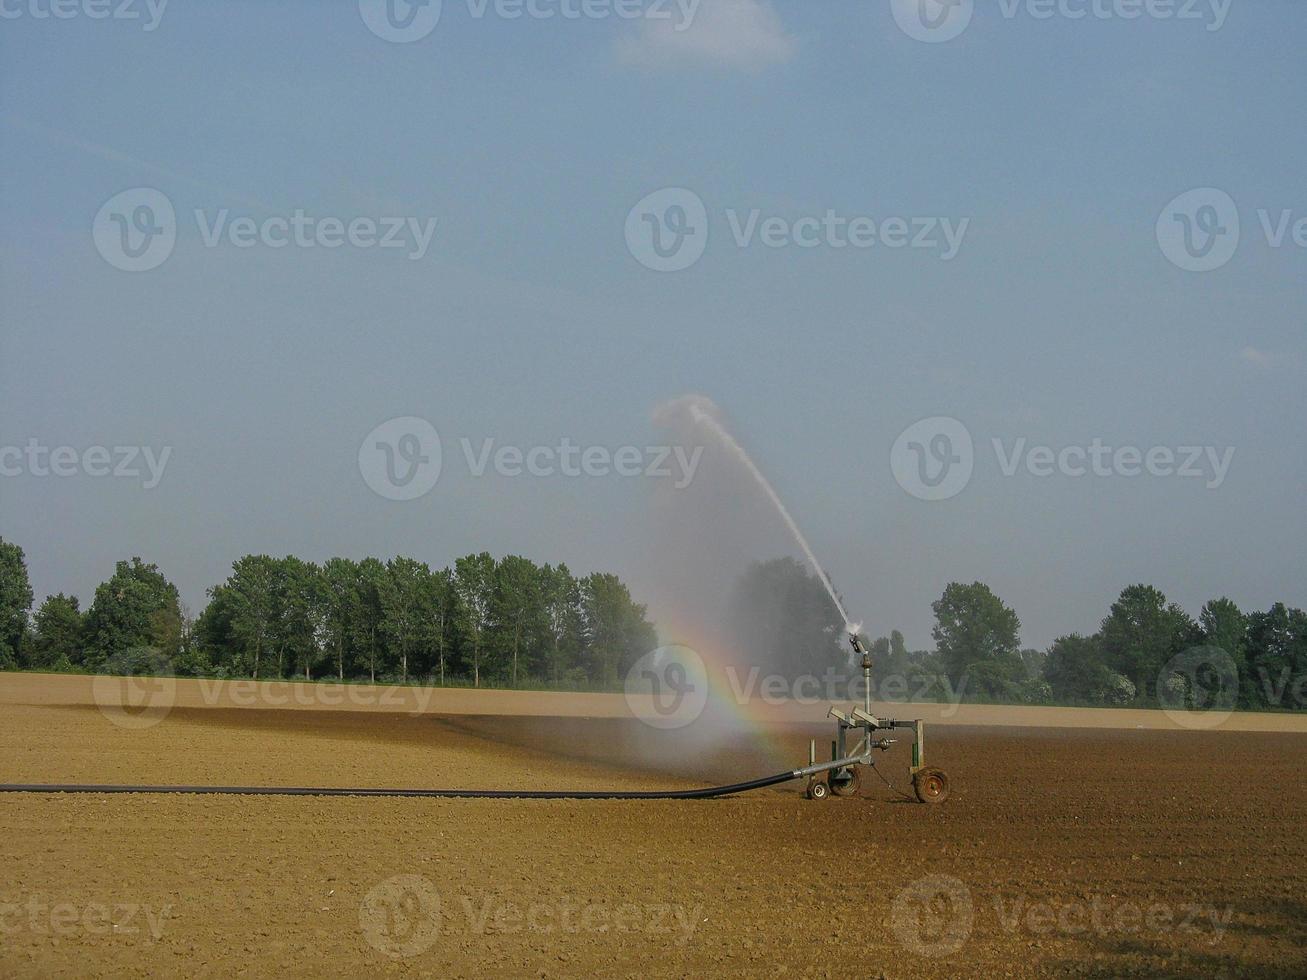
(856, 734)
(700, 415)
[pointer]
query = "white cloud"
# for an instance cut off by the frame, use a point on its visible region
(1269, 360)
(738, 34)
(1260, 358)
(1257, 358)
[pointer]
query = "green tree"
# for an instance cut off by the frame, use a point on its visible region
(890, 659)
(136, 609)
(15, 602)
(1075, 671)
(215, 645)
(339, 588)
(299, 609)
(368, 614)
(516, 608)
(1033, 661)
(1141, 633)
(250, 595)
(560, 596)
(1222, 625)
(403, 596)
(57, 643)
(977, 638)
(784, 618)
(474, 577)
(617, 632)
(440, 604)
(1277, 656)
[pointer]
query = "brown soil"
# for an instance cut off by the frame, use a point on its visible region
(1090, 852)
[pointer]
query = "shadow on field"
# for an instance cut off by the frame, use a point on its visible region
(1203, 954)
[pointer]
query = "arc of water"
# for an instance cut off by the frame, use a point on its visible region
(700, 416)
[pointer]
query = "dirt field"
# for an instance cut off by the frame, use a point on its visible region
(1091, 852)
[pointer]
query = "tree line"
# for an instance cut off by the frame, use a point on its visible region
(1146, 651)
(511, 622)
(484, 622)
(978, 656)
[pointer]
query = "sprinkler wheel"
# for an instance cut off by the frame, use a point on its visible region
(846, 781)
(817, 790)
(930, 785)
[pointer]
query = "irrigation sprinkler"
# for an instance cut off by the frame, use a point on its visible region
(856, 739)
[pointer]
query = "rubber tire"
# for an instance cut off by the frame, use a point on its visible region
(845, 782)
(930, 785)
(817, 790)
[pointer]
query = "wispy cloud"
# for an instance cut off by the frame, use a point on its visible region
(1266, 360)
(745, 35)
(125, 160)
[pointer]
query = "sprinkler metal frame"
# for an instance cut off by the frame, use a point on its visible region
(929, 783)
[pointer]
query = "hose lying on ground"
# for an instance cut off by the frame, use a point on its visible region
(704, 793)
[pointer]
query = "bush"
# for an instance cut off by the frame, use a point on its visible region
(1036, 692)
(1119, 690)
(139, 662)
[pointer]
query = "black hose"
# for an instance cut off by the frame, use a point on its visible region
(704, 793)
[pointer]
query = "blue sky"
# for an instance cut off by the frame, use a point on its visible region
(530, 320)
